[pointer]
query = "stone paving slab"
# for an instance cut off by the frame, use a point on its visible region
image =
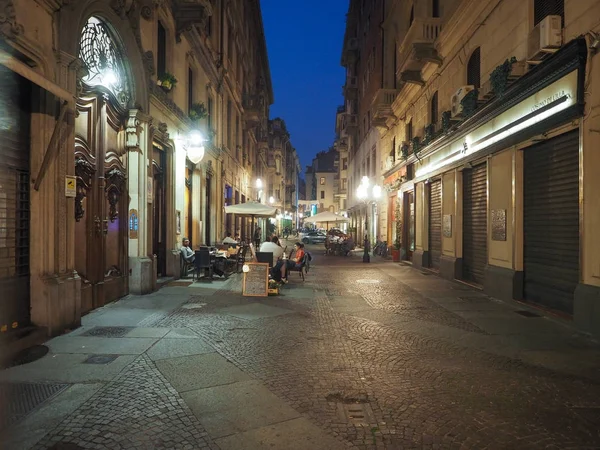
(66, 368)
(181, 333)
(200, 371)
(174, 348)
(237, 407)
(296, 434)
(143, 332)
(254, 311)
(100, 345)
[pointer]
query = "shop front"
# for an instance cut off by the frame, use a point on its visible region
(497, 201)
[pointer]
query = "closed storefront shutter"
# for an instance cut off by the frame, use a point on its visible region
(435, 223)
(14, 200)
(551, 222)
(475, 223)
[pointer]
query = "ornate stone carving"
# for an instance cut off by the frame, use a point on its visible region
(148, 60)
(190, 13)
(121, 7)
(169, 103)
(9, 27)
(132, 130)
(147, 11)
(115, 180)
(84, 171)
(209, 168)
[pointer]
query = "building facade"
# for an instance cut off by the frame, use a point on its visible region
(489, 146)
(102, 169)
(367, 94)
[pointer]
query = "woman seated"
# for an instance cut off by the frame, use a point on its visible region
(296, 262)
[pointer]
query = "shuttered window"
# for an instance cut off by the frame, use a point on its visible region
(543, 8)
(475, 223)
(474, 69)
(435, 223)
(434, 109)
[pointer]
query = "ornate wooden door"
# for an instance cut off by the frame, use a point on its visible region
(101, 233)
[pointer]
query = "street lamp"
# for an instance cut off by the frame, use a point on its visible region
(368, 195)
(259, 184)
(194, 146)
(271, 200)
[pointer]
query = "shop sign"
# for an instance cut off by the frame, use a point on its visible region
(545, 103)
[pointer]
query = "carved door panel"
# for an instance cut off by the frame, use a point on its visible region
(159, 241)
(100, 237)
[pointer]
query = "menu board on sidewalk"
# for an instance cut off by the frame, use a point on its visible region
(256, 280)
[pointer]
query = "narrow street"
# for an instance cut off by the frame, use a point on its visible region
(358, 356)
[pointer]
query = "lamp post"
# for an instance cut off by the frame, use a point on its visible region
(194, 145)
(368, 195)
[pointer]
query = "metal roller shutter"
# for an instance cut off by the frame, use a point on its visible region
(475, 223)
(435, 223)
(14, 199)
(551, 222)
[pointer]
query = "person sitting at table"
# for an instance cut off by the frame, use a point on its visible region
(228, 239)
(296, 262)
(272, 246)
(186, 251)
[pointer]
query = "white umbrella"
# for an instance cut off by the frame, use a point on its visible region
(326, 216)
(251, 209)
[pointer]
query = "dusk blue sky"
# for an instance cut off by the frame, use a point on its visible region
(304, 42)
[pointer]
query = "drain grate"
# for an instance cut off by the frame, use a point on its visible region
(359, 414)
(20, 399)
(108, 331)
(525, 313)
(100, 359)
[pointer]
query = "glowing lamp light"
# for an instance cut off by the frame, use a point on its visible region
(300, 215)
(245, 268)
(271, 200)
(361, 191)
(376, 191)
(365, 181)
(196, 139)
(109, 78)
(194, 144)
(259, 183)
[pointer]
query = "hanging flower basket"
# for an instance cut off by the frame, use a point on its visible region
(198, 112)
(167, 81)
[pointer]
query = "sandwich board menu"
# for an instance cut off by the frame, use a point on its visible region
(256, 280)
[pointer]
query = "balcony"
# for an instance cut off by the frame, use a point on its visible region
(350, 89)
(418, 49)
(252, 108)
(189, 13)
(382, 107)
(350, 122)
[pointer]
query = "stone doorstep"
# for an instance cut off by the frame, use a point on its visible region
(15, 341)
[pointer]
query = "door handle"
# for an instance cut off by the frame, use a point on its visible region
(105, 226)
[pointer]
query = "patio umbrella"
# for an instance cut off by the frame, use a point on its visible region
(251, 209)
(326, 217)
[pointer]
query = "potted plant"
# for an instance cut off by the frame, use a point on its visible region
(499, 76)
(429, 133)
(469, 103)
(446, 116)
(405, 151)
(167, 81)
(198, 112)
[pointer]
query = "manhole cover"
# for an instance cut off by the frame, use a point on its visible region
(20, 399)
(100, 359)
(527, 313)
(193, 305)
(108, 331)
(27, 356)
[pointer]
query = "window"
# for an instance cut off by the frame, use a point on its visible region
(322, 194)
(393, 150)
(433, 110)
(190, 89)
(210, 112)
(412, 16)
(344, 163)
(543, 8)
(374, 158)
(237, 136)
(344, 184)
(435, 8)
(229, 124)
(322, 181)
(474, 69)
(161, 50)
(409, 131)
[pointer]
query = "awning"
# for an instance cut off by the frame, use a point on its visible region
(25, 71)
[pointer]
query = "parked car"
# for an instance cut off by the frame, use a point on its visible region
(314, 237)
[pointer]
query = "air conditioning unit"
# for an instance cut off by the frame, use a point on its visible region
(545, 38)
(456, 107)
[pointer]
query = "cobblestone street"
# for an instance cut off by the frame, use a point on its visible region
(358, 356)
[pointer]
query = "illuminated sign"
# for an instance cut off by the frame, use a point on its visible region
(545, 103)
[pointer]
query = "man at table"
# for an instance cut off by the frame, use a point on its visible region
(186, 251)
(278, 270)
(229, 240)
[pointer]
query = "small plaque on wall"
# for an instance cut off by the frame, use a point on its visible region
(498, 225)
(150, 191)
(447, 225)
(133, 224)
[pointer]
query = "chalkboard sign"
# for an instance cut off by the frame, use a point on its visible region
(256, 280)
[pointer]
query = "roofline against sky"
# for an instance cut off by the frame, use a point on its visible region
(265, 53)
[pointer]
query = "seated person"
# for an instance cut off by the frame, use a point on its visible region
(272, 246)
(347, 245)
(229, 240)
(186, 251)
(296, 262)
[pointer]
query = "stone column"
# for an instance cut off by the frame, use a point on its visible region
(139, 146)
